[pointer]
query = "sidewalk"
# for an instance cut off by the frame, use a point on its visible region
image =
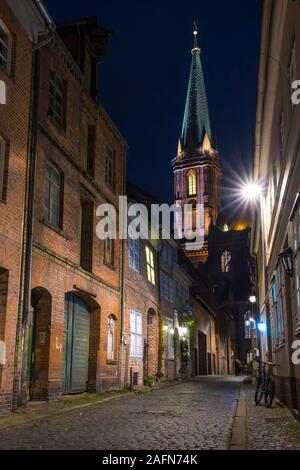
(38, 410)
(260, 428)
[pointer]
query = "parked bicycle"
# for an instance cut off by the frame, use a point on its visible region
(265, 383)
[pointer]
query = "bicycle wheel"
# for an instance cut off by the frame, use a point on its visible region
(258, 395)
(270, 393)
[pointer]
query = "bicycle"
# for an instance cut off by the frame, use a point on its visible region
(265, 383)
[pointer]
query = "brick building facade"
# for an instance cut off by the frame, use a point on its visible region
(18, 39)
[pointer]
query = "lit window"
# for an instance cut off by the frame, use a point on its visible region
(2, 167)
(57, 96)
(53, 195)
(136, 344)
(192, 184)
(110, 168)
(111, 334)
(109, 251)
(134, 254)
(5, 48)
(225, 261)
(150, 265)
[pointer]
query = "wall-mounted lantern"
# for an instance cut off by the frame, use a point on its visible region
(286, 258)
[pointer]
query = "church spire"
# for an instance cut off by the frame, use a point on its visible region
(196, 123)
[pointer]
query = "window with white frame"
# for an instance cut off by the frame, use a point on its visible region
(277, 301)
(134, 254)
(111, 335)
(2, 166)
(296, 251)
(136, 337)
(5, 48)
(150, 265)
(170, 339)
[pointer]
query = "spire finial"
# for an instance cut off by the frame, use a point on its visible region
(195, 32)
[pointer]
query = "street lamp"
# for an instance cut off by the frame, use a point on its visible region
(252, 299)
(251, 191)
(261, 326)
(287, 260)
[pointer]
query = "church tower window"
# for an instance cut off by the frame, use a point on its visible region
(225, 261)
(192, 184)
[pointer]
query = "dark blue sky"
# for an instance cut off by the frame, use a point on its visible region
(144, 77)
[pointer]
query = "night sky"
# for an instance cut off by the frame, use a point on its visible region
(144, 77)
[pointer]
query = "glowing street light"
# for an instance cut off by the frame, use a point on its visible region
(261, 326)
(251, 191)
(252, 299)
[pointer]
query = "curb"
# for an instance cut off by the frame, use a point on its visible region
(238, 437)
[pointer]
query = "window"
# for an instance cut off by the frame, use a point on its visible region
(134, 254)
(192, 184)
(248, 326)
(278, 320)
(53, 196)
(136, 349)
(57, 98)
(150, 265)
(86, 235)
(296, 250)
(5, 48)
(110, 168)
(88, 148)
(170, 339)
(293, 65)
(225, 261)
(111, 335)
(166, 287)
(2, 167)
(109, 251)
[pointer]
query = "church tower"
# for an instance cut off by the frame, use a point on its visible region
(197, 173)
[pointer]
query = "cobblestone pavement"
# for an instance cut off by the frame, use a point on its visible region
(270, 429)
(192, 415)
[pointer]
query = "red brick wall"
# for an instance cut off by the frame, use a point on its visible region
(14, 124)
(56, 258)
(140, 295)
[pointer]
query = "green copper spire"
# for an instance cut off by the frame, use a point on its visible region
(196, 123)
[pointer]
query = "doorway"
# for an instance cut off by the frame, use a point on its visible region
(202, 353)
(75, 358)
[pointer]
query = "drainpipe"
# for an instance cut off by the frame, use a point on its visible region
(122, 292)
(26, 261)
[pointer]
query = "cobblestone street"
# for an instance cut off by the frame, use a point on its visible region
(194, 415)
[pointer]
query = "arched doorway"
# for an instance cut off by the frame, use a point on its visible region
(75, 355)
(39, 344)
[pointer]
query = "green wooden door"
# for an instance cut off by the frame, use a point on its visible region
(75, 346)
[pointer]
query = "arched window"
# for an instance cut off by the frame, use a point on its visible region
(192, 183)
(225, 261)
(111, 334)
